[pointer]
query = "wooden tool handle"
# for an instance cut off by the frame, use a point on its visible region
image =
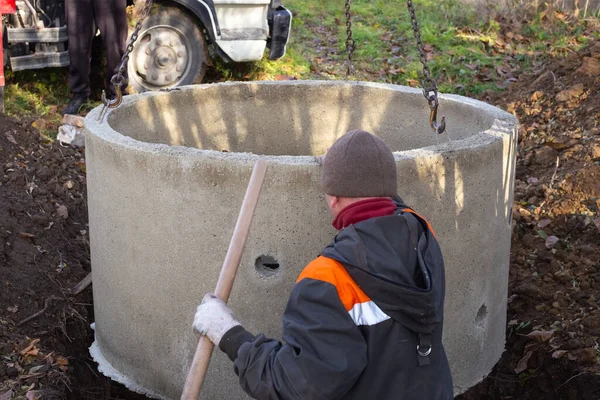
(199, 367)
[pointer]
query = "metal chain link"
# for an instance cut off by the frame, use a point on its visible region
(430, 90)
(350, 43)
(118, 80)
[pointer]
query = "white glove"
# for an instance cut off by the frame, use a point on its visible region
(213, 318)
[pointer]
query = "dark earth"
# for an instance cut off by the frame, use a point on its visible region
(554, 321)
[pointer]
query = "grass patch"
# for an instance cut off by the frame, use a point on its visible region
(468, 53)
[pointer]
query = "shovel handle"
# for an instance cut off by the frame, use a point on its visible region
(199, 367)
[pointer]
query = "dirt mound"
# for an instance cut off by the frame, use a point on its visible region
(552, 347)
(44, 252)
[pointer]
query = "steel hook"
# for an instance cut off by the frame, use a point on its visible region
(438, 129)
(114, 103)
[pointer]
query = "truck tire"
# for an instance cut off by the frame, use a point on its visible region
(170, 51)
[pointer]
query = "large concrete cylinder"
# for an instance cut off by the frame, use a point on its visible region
(167, 173)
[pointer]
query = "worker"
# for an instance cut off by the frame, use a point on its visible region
(364, 319)
(83, 17)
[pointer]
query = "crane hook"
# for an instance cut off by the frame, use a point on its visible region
(117, 82)
(440, 128)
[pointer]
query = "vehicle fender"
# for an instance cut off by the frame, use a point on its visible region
(205, 11)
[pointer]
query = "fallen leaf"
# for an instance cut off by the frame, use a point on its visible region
(542, 234)
(60, 360)
(13, 309)
(559, 353)
(544, 223)
(10, 138)
(558, 146)
(567, 94)
(39, 124)
(26, 235)
(62, 211)
(34, 395)
(522, 364)
(551, 242)
(31, 346)
(590, 66)
(284, 78)
(540, 336)
(33, 352)
(537, 95)
(6, 395)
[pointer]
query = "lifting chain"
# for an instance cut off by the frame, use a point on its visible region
(350, 43)
(118, 80)
(430, 90)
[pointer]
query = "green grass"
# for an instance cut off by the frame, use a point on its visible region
(465, 52)
(466, 48)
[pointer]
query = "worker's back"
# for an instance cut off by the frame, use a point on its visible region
(394, 266)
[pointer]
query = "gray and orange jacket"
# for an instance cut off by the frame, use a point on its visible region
(363, 321)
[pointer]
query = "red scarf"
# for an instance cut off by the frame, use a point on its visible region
(363, 210)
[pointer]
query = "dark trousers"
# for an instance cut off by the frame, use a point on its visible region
(83, 17)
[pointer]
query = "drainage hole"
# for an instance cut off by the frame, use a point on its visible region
(481, 317)
(266, 265)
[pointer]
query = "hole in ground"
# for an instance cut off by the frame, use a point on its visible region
(266, 265)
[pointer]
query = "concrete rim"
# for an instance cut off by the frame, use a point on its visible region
(502, 125)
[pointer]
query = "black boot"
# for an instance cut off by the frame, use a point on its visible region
(77, 101)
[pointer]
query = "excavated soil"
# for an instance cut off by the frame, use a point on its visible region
(552, 337)
(44, 252)
(552, 347)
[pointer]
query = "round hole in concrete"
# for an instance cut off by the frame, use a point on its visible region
(266, 265)
(481, 317)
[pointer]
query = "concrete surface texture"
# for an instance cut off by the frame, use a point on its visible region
(167, 173)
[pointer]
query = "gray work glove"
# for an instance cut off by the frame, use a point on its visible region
(213, 318)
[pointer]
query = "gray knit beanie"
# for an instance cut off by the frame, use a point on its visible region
(359, 164)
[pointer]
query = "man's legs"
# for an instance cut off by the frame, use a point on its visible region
(111, 17)
(80, 26)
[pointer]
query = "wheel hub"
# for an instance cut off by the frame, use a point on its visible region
(161, 56)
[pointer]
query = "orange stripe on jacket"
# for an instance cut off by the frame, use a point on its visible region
(328, 270)
(420, 216)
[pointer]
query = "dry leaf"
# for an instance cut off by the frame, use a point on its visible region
(522, 365)
(62, 211)
(33, 352)
(10, 138)
(544, 223)
(39, 124)
(13, 309)
(551, 242)
(590, 66)
(60, 360)
(567, 94)
(34, 395)
(540, 336)
(559, 353)
(558, 146)
(26, 235)
(6, 395)
(284, 78)
(30, 347)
